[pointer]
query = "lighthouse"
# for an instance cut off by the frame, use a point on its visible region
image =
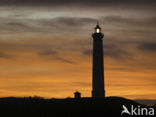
(98, 64)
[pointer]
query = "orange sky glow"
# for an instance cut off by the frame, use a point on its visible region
(47, 51)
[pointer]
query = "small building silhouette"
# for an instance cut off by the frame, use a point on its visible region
(77, 95)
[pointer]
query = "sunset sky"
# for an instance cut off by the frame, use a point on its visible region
(46, 47)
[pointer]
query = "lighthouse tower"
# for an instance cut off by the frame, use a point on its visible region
(98, 64)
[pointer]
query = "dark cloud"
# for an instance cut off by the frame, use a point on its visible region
(63, 2)
(20, 27)
(74, 24)
(66, 24)
(54, 55)
(16, 24)
(72, 21)
(117, 53)
(64, 60)
(3, 55)
(87, 52)
(52, 25)
(130, 21)
(112, 51)
(119, 19)
(148, 46)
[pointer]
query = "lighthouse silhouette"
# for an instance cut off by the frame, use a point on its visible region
(98, 64)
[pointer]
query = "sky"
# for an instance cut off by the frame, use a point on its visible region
(46, 47)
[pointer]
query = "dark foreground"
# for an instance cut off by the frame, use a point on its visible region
(84, 107)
